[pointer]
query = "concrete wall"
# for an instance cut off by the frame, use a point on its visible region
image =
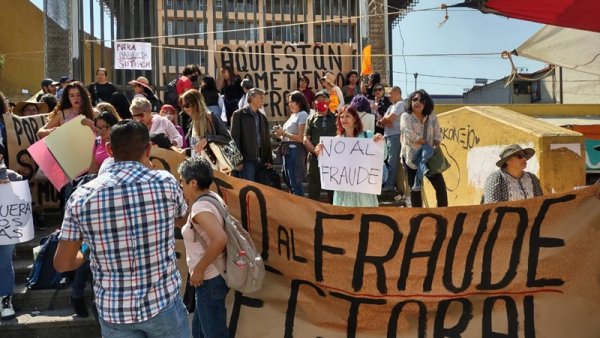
(538, 110)
(474, 136)
(493, 93)
(22, 43)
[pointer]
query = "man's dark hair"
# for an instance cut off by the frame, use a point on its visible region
(49, 100)
(128, 140)
(190, 69)
(196, 168)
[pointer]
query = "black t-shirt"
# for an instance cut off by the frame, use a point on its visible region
(101, 92)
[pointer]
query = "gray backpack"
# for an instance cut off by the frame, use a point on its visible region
(244, 267)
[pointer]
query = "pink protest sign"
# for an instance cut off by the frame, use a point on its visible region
(44, 158)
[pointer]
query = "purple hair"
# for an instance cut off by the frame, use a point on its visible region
(360, 103)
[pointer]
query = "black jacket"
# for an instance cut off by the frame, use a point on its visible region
(243, 132)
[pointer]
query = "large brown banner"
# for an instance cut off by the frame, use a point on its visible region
(278, 68)
(520, 269)
(21, 132)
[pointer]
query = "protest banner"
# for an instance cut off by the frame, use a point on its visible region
(133, 55)
(526, 268)
(48, 164)
(73, 157)
(277, 68)
(21, 132)
(351, 164)
(166, 159)
(16, 221)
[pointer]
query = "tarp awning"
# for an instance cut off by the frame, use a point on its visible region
(579, 14)
(570, 48)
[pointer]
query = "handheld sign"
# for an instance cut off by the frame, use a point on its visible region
(16, 221)
(133, 55)
(73, 157)
(352, 164)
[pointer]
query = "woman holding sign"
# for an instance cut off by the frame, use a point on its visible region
(349, 125)
(76, 101)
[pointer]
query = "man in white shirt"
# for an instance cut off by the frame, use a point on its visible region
(141, 110)
(391, 124)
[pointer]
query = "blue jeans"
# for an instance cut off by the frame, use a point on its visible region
(290, 167)
(210, 316)
(420, 159)
(393, 145)
(170, 322)
(7, 273)
(249, 170)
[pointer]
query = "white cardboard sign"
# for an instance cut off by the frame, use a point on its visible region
(133, 55)
(351, 164)
(16, 221)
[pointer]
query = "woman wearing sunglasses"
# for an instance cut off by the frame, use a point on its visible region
(419, 127)
(511, 182)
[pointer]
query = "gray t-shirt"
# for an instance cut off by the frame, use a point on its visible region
(292, 125)
(396, 108)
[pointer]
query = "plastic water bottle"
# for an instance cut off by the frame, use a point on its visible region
(239, 259)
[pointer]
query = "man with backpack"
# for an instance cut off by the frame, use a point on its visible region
(127, 216)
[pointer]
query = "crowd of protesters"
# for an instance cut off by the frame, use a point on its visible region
(137, 291)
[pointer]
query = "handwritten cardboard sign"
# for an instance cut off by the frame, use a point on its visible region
(278, 68)
(21, 132)
(351, 164)
(133, 55)
(517, 269)
(16, 221)
(72, 145)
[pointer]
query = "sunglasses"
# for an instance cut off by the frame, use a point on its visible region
(378, 89)
(418, 99)
(185, 105)
(521, 155)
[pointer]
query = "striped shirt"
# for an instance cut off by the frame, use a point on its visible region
(127, 215)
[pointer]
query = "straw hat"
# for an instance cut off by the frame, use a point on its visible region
(511, 150)
(41, 106)
(142, 81)
(329, 77)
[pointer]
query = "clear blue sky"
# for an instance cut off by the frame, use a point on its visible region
(466, 31)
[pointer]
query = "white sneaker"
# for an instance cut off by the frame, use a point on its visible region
(7, 309)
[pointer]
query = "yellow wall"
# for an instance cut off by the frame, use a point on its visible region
(474, 136)
(22, 43)
(567, 110)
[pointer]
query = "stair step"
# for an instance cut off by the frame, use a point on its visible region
(52, 324)
(29, 300)
(22, 269)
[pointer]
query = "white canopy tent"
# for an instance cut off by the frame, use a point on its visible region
(575, 49)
